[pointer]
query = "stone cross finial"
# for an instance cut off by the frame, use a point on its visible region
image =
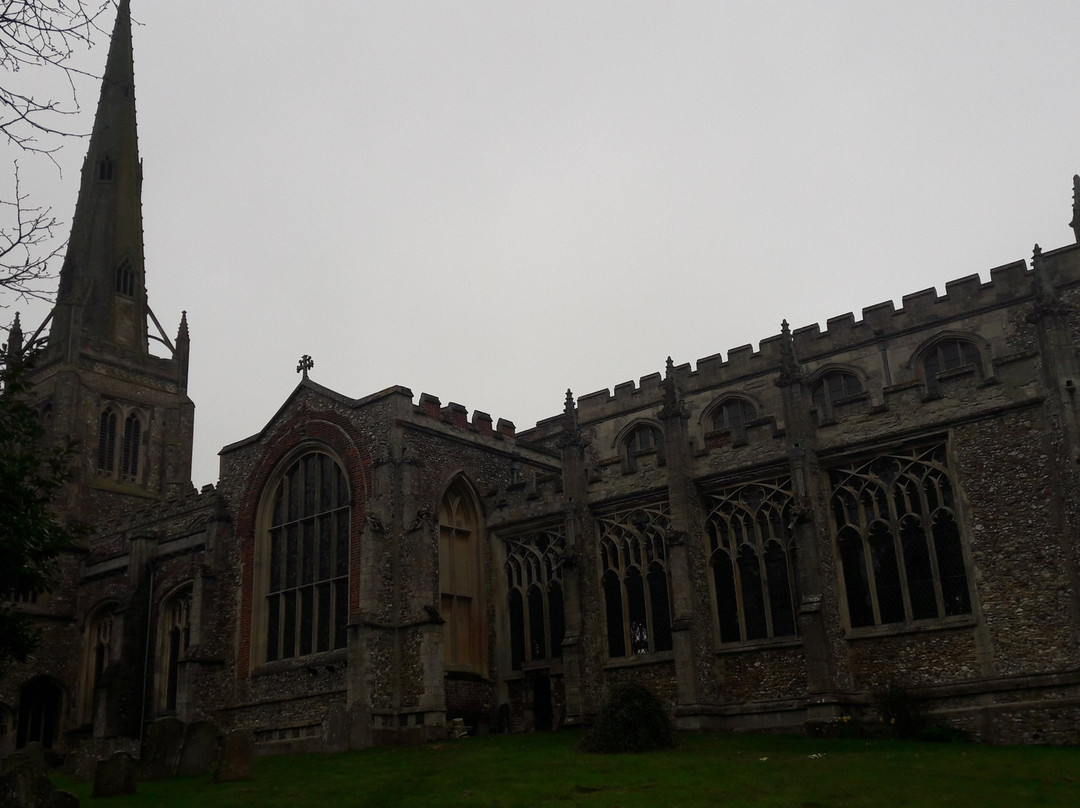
(306, 364)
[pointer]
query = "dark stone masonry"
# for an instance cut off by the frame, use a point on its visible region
(765, 540)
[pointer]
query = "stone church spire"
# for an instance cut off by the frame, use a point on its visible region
(102, 296)
(126, 409)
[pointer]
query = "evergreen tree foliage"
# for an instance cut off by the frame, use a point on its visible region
(632, 720)
(31, 534)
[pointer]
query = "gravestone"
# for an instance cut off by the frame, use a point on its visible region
(24, 785)
(115, 776)
(200, 750)
(161, 750)
(237, 752)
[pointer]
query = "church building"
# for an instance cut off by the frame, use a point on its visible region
(766, 540)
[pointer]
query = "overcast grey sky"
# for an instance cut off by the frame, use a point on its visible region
(494, 201)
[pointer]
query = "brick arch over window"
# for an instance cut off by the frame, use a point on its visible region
(461, 602)
(302, 557)
(634, 582)
(898, 538)
(323, 430)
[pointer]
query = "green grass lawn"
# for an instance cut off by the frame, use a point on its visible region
(546, 769)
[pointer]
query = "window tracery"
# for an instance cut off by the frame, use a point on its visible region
(535, 597)
(97, 655)
(174, 640)
(634, 581)
(752, 556)
(898, 539)
(306, 548)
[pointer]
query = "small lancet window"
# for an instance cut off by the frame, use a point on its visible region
(129, 449)
(106, 442)
(125, 279)
(105, 170)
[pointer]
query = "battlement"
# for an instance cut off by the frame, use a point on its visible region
(1009, 284)
(457, 415)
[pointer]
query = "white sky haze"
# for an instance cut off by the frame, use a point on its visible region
(494, 201)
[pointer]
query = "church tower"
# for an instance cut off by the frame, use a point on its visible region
(96, 380)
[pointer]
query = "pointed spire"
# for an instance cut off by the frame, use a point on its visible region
(102, 295)
(790, 372)
(183, 351)
(1075, 223)
(671, 406)
(15, 337)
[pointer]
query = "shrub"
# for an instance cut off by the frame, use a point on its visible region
(632, 720)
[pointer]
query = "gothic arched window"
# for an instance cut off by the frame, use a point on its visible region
(634, 581)
(129, 449)
(950, 356)
(835, 386)
(753, 561)
(174, 640)
(643, 439)
(461, 605)
(898, 539)
(306, 559)
(97, 655)
(733, 413)
(106, 454)
(125, 279)
(534, 582)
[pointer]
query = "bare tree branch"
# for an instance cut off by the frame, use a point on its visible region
(38, 40)
(43, 35)
(27, 246)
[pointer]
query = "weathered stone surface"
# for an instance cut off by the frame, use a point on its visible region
(25, 785)
(201, 743)
(237, 752)
(116, 776)
(162, 748)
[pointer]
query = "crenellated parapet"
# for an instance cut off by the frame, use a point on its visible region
(457, 415)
